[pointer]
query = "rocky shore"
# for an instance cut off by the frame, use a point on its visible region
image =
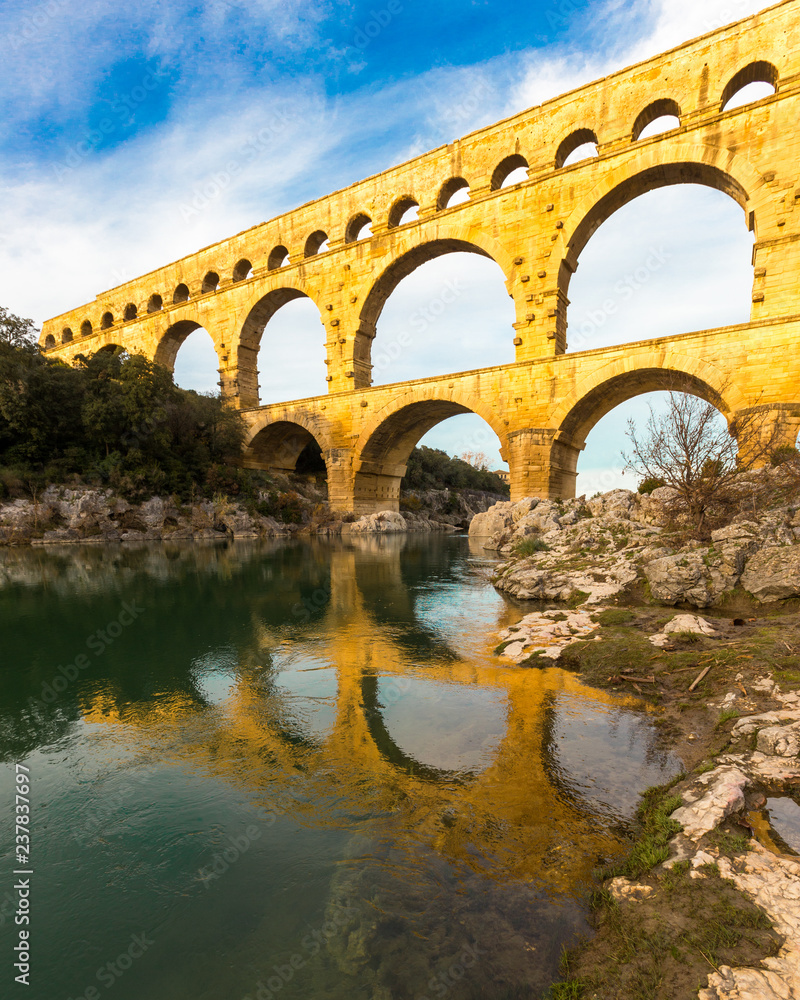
(296, 505)
(707, 633)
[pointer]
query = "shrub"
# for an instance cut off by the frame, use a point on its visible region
(529, 546)
(647, 486)
(784, 454)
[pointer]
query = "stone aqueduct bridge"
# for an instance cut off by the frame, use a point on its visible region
(544, 404)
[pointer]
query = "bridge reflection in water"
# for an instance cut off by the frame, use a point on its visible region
(359, 693)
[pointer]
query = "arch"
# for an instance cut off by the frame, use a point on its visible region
(210, 282)
(181, 293)
(262, 311)
(49, 342)
(66, 335)
(86, 328)
(449, 190)
(635, 374)
(400, 208)
(447, 240)
(106, 322)
(278, 444)
(385, 444)
(316, 243)
(663, 108)
(155, 303)
(507, 167)
(130, 312)
(243, 270)
(573, 142)
(111, 348)
(356, 227)
(278, 257)
(622, 187)
(755, 72)
(172, 340)
(619, 381)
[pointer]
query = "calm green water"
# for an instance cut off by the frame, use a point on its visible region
(296, 770)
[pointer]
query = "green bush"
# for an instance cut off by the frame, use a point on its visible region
(648, 485)
(529, 546)
(784, 454)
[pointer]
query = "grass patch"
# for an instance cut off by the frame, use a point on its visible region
(503, 645)
(656, 829)
(530, 546)
(726, 715)
(728, 842)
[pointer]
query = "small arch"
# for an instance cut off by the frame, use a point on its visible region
(453, 192)
(358, 228)
(86, 328)
(316, 243)
(210, 282)
(279, 445)
(155, 303)
(754, 73)
(181, 293)
(66, 335)
(279, 257)
(130, 311)
(243, 270)
(403, 211)
(579, 145)
(106, 322)
(49, 342)
(512, 170)
(659, 116)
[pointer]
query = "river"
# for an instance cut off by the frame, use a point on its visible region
(295, 769)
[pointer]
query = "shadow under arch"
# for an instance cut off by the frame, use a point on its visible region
(279, 444)
(384, 447)
(408, 259)
(615, 384)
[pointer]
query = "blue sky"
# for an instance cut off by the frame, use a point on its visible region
(115, 115)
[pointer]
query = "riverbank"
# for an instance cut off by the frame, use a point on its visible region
(707, 634)
(293, 505)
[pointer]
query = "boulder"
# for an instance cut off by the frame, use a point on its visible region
(384, 522)
(773, 574)
(496, 520)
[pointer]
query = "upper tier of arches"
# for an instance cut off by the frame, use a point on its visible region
(443, 194)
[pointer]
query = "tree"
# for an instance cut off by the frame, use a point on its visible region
(15, 331)
(690, 449)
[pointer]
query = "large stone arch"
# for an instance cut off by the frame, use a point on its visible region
(252, 318)
(381, 453)
(407, 254)
(276, 440)
(642, 371)
(657, 166)
(169, 341)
